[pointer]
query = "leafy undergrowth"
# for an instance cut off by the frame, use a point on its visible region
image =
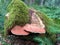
(52, 12)
(15, 40)
(4, 41)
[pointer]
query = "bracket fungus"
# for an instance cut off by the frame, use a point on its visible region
(18, 30)
(33, 28)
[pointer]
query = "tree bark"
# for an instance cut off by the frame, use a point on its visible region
(26, 1)
(33, 1)
(30, 2)
(41, 3)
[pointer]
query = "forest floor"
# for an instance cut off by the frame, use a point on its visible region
(15, 41)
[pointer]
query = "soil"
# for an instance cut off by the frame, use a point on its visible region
(19, 41)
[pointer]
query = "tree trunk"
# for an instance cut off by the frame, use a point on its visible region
(26, 1)
(30, 2)
(33, 1)
(41, 3)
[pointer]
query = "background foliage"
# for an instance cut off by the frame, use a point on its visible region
(3, 6)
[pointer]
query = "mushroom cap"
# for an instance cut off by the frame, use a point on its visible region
(18, 30)
(33, 28)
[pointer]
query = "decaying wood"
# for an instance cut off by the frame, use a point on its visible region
(7, 15)
(35, 19)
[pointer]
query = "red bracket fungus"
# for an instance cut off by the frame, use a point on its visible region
(33, 28)
(18, 30)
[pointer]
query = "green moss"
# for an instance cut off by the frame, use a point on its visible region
(50, 25)
(18, 14)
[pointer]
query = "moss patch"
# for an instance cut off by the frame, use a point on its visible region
(18, 14)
